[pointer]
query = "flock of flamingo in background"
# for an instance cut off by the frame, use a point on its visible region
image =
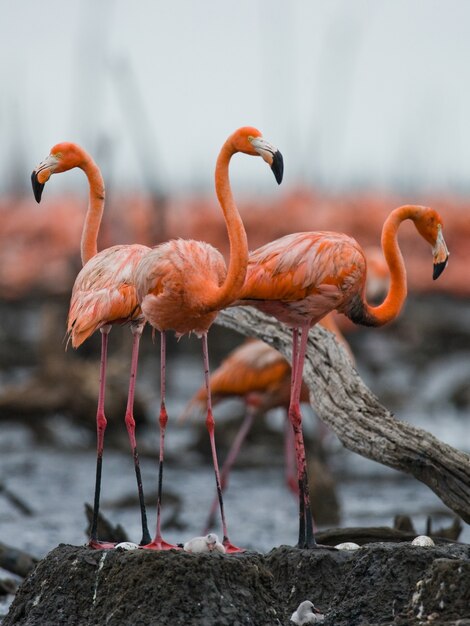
(180, 285)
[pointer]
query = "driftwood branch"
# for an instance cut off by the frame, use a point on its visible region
(16, 561)
(342, 400)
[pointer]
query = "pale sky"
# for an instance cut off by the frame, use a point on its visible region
(352, 91)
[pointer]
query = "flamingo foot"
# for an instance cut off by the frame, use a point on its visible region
(95, 544)
(230, 548)
(160, 544)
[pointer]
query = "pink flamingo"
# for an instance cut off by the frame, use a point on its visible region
(301, 277)
(182, 284)
(103, 294)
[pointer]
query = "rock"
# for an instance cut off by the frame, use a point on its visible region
(78, 586)
(443, 594)
(379, 584)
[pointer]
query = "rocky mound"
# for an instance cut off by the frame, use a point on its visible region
(381, 583)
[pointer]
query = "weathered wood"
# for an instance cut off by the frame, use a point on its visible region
(342, 400)
(16, 561)
(369, 534)
(15, 500)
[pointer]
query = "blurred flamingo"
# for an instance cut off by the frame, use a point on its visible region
(301, 277)
(103, 294)
(182, 284)
(261, 376)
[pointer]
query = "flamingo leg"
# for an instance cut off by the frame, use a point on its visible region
(130, 425)
(295, 353)
(298, 489)
(306, 535)
(158, 543)
(230, 460)
(229, 547)
(100, 429)
(289, 459)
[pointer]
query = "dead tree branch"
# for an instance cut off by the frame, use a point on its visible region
(342, 400)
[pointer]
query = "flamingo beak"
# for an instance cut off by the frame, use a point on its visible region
(271, 155)
(440, 255)
(37, 186)
(278, 166)
(42, 173)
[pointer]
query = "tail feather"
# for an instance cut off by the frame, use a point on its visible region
(197, 401)
(90, 310)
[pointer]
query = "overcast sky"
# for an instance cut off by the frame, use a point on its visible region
(352, 91)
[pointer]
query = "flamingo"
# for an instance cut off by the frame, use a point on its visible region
(182, 284)
(301, 277)
(307, 613)
(102, 295)
(260, 375)
(209, 543)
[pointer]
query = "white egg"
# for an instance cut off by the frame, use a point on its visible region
(348, 545)
(423, 541)
(126, 545)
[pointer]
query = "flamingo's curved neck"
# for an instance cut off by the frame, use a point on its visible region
(392, 305)
(236, 272)
(89, 246)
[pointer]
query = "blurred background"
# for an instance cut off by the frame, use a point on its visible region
(368, 103)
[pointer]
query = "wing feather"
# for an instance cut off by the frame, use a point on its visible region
(104, 291)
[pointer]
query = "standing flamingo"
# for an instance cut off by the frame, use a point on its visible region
(260, 375)
(182, 284)
(301, 277)
(103, 294)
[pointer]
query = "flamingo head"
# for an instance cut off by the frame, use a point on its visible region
(211, 540)
(429, 225)
(305, 609)
(62, 157)
(250, 141)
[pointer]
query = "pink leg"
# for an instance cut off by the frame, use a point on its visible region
(306, 535)
(289, 459)
(229, 547)
(295, 357)
(158, 543)
(130, 425)
(100, 429)
(230, 460)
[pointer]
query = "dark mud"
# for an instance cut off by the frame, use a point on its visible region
(381, 583)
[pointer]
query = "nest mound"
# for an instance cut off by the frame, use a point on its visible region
(386, 583)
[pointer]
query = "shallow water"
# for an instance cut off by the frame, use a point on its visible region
(261, 513)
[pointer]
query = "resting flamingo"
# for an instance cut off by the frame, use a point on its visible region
(182, 284)
(301, 277)
(103, 294)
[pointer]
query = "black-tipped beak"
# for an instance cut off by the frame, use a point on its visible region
(37, 186)
(439, 268)
(278, 166)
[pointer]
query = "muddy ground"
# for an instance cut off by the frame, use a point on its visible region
(381, 583)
